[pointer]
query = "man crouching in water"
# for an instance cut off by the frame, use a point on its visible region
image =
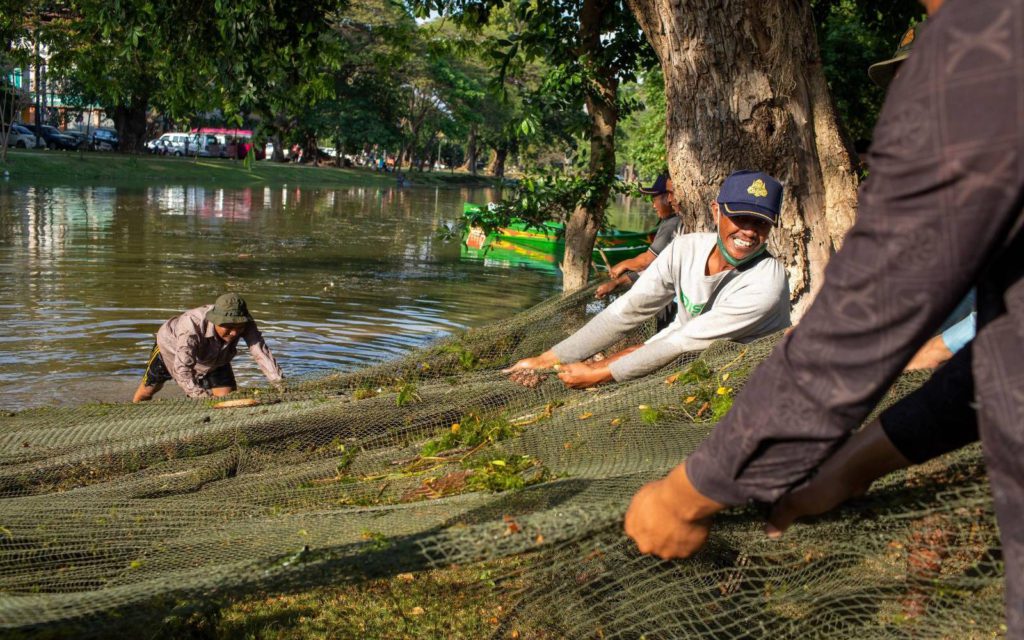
(196, 349)
(726, 285)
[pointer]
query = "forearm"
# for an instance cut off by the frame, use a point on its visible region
(621, 354)
(186, 378)
(598, 334)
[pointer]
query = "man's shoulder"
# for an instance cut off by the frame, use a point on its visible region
(693, 240)
(193, 319)
(769, 272)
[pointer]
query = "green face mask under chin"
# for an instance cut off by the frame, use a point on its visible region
(733, 261)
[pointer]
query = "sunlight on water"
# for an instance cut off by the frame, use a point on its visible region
(335, 278)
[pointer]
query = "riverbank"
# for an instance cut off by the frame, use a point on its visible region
(56, 168)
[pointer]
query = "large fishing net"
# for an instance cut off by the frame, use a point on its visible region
(110, 514)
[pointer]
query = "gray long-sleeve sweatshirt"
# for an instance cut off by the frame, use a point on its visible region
(754, 303)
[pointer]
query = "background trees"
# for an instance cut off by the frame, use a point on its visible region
(571, 84)
(14, 54)
(746, 88)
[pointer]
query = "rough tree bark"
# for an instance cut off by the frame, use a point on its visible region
(603, 112)
(497, 164)
(471, 151)
(745, 89)
(130, 122)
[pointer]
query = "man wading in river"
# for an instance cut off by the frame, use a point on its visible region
(196, 349)
(726, 284)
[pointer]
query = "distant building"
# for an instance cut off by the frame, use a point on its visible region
(55, 108)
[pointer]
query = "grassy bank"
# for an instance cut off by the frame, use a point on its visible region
(457, 603)
(57, 168)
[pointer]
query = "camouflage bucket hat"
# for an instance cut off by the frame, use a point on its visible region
(883, 72)
(229, 309)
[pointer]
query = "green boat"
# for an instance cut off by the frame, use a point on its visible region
(522, 242)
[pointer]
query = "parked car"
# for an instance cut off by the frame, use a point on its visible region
(54, 138)
(104, 140)
(21, 138)
(74, 134)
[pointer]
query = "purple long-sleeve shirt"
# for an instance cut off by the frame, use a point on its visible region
(191, 348)
(942, 210)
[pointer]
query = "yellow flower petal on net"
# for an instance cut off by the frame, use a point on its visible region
(455, 427)
(690, 399)
(616, 422)
(672, 378)
(584, 416)
(722, 391)
(725, 376)
(643, 406)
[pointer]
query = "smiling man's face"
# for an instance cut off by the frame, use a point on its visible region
(742, 236)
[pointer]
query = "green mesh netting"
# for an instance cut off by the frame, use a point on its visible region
(109, 512)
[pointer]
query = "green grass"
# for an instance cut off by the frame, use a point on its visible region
(457, 602)
(57, 168)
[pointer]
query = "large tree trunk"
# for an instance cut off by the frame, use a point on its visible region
(745, 89)
(497, 168)
(471, 151)
(582, 227)
(130, 122)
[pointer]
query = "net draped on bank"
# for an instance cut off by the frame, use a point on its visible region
(114, 511)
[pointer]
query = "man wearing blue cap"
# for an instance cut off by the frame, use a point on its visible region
(726, 285)
(626, 272)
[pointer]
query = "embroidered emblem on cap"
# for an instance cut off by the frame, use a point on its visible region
(758, 189)
(908, 37)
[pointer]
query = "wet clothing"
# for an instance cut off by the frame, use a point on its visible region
(941, 212)
(938, 417)
(749, 303)
(190, 349)
(667, 231)
(157, 373)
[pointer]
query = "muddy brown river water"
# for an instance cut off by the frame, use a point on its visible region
(336, 278)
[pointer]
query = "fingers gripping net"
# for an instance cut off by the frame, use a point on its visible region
(436, 459)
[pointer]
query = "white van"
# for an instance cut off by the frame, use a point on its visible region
(181, 144)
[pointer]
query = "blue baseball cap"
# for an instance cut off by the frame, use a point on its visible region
(659, 187)
(751, 193)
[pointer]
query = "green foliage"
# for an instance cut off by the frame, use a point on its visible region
(471, 431)
(466, 358)
(641, 137)
(406, 393)
(649, 414)
(547, 197)
(364, 392)
(853, 35)
(504, 473)
(709, 396)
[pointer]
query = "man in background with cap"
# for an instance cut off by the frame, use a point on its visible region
(196, 349)
(625, 273)
(726, 285)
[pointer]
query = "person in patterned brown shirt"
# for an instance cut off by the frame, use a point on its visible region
(195, 349)
(942, 211)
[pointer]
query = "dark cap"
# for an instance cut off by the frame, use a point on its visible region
(883, 72)
(751, 193)
(229, 309)
(659, 187)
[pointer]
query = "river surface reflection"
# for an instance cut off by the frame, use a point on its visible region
(336, 278)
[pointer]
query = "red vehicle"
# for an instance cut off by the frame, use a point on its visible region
(237, 140)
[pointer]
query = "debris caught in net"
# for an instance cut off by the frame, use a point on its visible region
(114, 511)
